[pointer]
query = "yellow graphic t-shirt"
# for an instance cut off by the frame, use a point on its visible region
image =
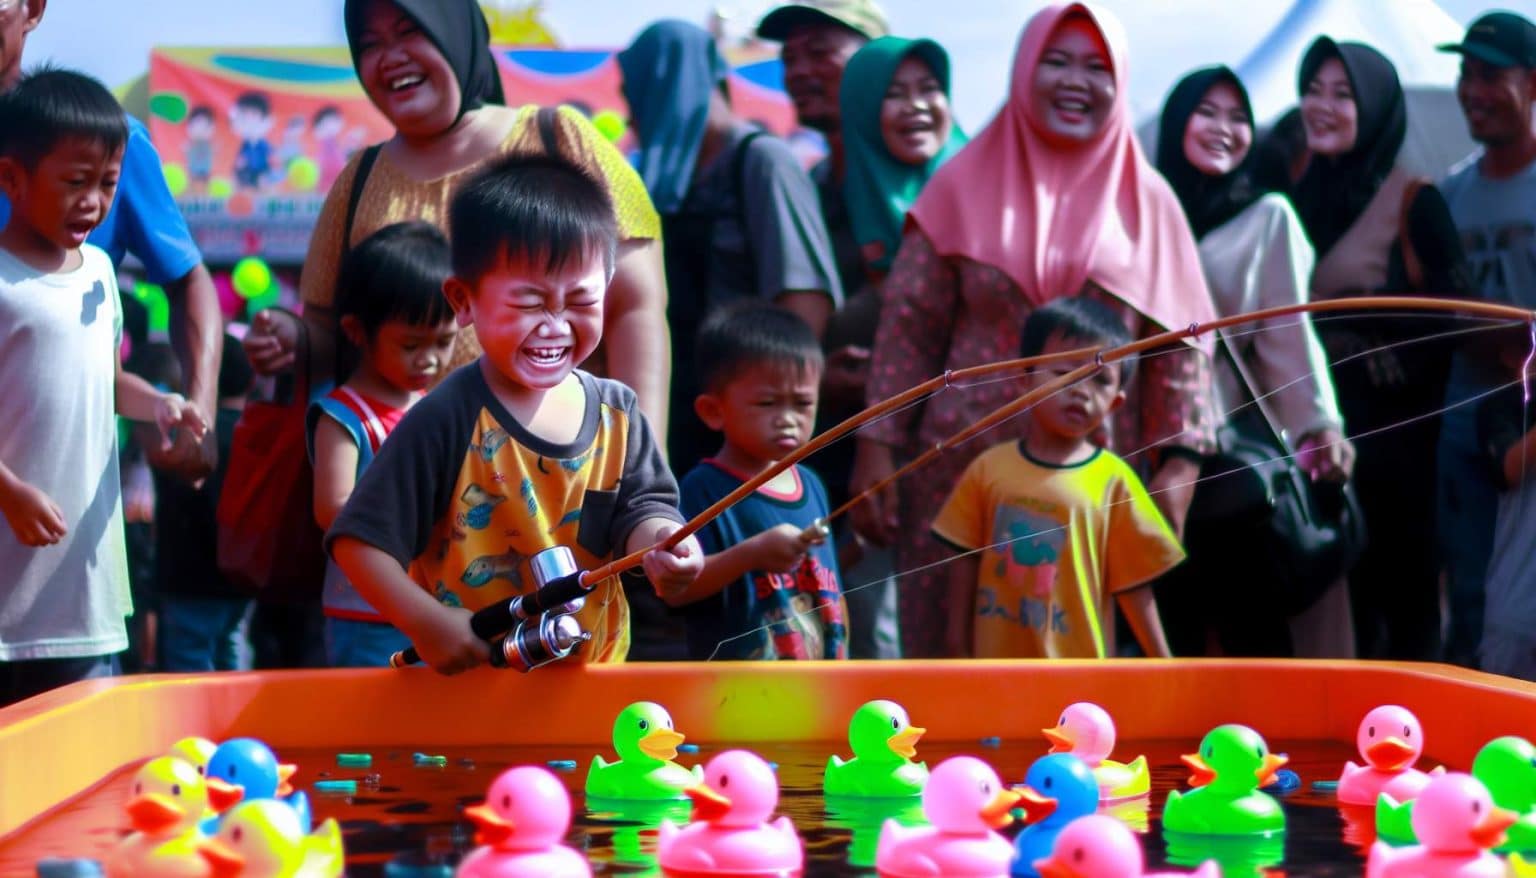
(1058, 543)
(463, 496)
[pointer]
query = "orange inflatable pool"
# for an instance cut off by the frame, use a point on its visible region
(55, 748)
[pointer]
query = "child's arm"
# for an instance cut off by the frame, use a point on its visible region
(776, 550)
(959, 628)
(335, 470)
(138, 400)
(33, 516)
(670, 571)
(441, 634)
(1140, 608)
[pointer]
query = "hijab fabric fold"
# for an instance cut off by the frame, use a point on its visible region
(669, 73)
(459, 31)
(1335, 190)
(1209, 201)
(878, 188)
(1052, 215)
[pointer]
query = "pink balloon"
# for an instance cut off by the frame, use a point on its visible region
(230, 303)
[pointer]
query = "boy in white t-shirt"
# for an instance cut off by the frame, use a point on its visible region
(65, 591)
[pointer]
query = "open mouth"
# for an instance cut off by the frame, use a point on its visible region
(547, 356)
(917, 128)
(1071, 109)
(407, 81)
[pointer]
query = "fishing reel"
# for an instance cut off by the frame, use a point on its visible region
(550, 635)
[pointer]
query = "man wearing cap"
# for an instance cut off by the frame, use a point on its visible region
(1492, 197)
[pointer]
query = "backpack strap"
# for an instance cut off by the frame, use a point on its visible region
(549, 135)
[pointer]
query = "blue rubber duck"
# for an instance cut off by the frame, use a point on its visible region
(646, 742)
(883, 741)
(1060, 788)
(1232, 764)
(251, 766)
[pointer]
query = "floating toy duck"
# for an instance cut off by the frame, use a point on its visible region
(1520, 867)
(1507, 767)
(966, 803)
(169, 798)
(883, 741)
(1457, 825)
(265, 839)
(731, 835)
(646, 743)
(1098, 846)
(1390, 740)
(195, 751)
(521, 824)
(1086, 731)
(251, 766)
(1065, 783)
(1232, 764)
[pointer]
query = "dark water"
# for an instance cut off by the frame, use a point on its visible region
(414, 812)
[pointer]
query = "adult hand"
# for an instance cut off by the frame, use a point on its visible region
(175, 415)
(875, 517)
(1326, 455)
(33, 516)
(270, 342)
(447, 643)
(187, 457)
(1173, 488)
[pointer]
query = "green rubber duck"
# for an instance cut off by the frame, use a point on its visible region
(646, 743)
(1233, 763)
(884, 741)
(1507, 767)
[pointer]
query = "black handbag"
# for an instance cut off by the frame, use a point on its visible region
(1261, 535)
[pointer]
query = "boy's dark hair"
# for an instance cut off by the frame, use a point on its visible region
(200, 110)
(529, 208)
(50, 105)
(396, 273)
(255, 100)
(235, 373)
(738, 337)
(1077, 319)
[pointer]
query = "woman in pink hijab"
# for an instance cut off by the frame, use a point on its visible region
(1053, 199)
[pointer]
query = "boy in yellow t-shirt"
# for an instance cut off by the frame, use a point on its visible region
(1052, 525)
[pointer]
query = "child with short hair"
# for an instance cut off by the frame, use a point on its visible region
(65, 592)
(519, 451)
(391, 308)
(1052, 525)
(770, 587)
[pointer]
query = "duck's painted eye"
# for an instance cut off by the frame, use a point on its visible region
(1259, 752)
(1209, 752)
(202, 770)
(176, 789)
(669, 723)
(895, 723)
(1062, 722)
(1477, 807)
(138, 789)
(1407, 732)
(237, 835)
(232, 771)
(725, 781)
(644, 724)
(1370, 731)
(1077, 855)
(506, 801)
(986, 788)
(1048, 783)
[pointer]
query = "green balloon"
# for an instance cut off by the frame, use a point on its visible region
(168, 105)
(609, 124)
(175, 178)
(220, 187)
(156, 303)
(251, 277)
(303, 174)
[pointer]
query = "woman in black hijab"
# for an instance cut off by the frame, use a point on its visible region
(1376, 228)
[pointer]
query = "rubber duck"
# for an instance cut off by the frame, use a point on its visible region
(1507, 767)
(731, 834)
(646, 742)
(1086, 731)
(1390, 740)
(265, 838)
(195, 751)
(1068, 786)
(521, 823)
(1520, 867)
(1232, 764)
(966, 803)
(1099, 846)
(168, 800)
(883, 741)
(251, 766)
(1457, 825)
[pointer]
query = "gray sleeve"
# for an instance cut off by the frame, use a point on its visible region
(647, 488)
(784, 223)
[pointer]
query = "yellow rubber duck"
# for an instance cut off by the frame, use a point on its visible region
(1520, 867)
(167, 801)
(264, 838)
(195, 751)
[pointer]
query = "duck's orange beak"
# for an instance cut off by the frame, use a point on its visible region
(490, 828)
(223, 860)
(707, 804)
(1389, 754)
(1489, 831)
(1061, 740)
(285, 774)
(1037, 806)
(904, 742)
(154, 813)
(1272, 763)
(1201, 772)
(998, 813)
(1050, 867)
(223, 795)
(661, 744)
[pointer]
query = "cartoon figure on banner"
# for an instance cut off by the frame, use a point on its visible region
(330, 154)
(251, 120)
(198, 152)
(291, 147)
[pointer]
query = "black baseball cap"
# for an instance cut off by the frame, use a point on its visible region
(1502, 39)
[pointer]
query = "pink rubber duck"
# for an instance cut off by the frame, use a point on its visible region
(1086, 731)
(966, 803)
(731, 834)
(1390, 740)
(1099, 846)
(521, 823)
(1457, 824)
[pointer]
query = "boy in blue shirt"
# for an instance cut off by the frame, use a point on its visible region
(770, 587)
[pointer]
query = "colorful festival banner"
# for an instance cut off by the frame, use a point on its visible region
(251, 139)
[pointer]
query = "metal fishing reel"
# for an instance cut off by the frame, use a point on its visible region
(536, 643)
